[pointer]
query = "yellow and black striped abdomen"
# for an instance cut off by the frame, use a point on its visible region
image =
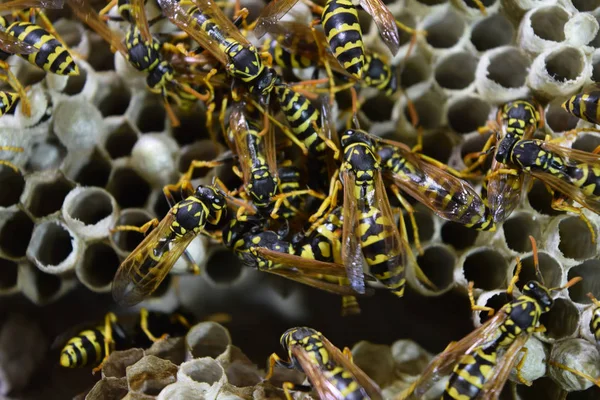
(346, 383)
(85, 349)
(52, 55)
(595, 324)
(470, 374)
(585, 106)
(286, 59)
(7, 101)
(585, 177)
(342, 29)
(386, 264)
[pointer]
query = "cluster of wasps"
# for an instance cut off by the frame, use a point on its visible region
(311, 205)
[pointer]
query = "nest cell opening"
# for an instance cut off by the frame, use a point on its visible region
(55, 244)
(550, 269)
(47, 284)
(562, 320)
(586, 142)
(543, 388)
(472, 4)
(416, 70)
(444, 31)
(458, 236)
(468, 114)
(100, 57)
(589, 271)
(91, 207)
(576, 239)
(120, 141)
(432, 2)
(128, 240)
(540, 199)
(192, 128)
(364, 20)
(565, 65)
(496, 302)
(76, 83)
(70, 32)
(558, 119)
(429, 110)
(586, 5)
(475, 145)
(549, 23)
(596, 72)
(223, 267)
(151, 117)
(48, 197)
(491, 32)
(437, 263)
(203, 371)
(100, 263)
(29, 75)
(95, 172)
(508, 68)
(128, 188)
(378, 108)
(16, 234)
(8, 274)
(116, 101)
(438, 146)
(407, 20)
(486, 268)
(160, 206)
(456, 71)
(425, 225)
(12, 184)
(47, 154)
(204, 150)
(517, 231)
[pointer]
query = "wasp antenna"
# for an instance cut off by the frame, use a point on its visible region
(536, 260)
(594, 300)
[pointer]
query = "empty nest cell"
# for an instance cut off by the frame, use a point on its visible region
(46, 154)
(548, 23)
(468, 113)
(444, 30)
(416, 70)
(586, 142)
(517, 230)
(120, 141)
(456, 71)
(491, 32)
(565, 64)
(151, 117)
(458, 236)
(13, 184)
(192, 128)
(378, 108)
(496, 301)
(558, 119)
(486, 268)
(562, 321)
(508, 68)
(425, 225)
(429, 109)
(47, 197)
(98, 266)
(576, 240)
(541, 200)
(51, 245)
(9, 271)
(76, 83)
(586, 5)
(89, 206)
(116, 101)
(437, 263)
(94, 172)
(438, 145)
(128, 188)
(127, 241)
(223, 267)
(550, 269)
(588, 270)
(202, 150)
(15, 234)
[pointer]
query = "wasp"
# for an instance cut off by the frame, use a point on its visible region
(339, 19)
(584, 106)
(34, 43)
(476, 370)
(332, 374)
(595, 320)
(515, 120)
(146, 267)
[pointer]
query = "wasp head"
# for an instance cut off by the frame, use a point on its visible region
(540, 294)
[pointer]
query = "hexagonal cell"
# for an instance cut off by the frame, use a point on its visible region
(475, 145)
(151, 117)
(548, 23)
(98, 266)
(120, 141)
(457, 71)
(378, 108)
(128, 187)
(517, 230)
(202, 150)
(39, 286)
(491, 32)
(589, 270)
(9, 271)
(89, 206)
(444, 30)
(223, 267)
(550, 269)
(116, 101)
(425, 225)
(486, 268)
(509, 68)
(76, 83)
(160, 205)
(565, 64)
(586, 5)
(497, 301)
(46, 154)
(47, 197)
(468, 114)
(458, 236)
(438, 145)
(127, 241)
(576, 239)
(562, 321)
(12, 184)
(100, 58)
(408, 20)
(558, 119)
(586, 142)
(544, 388)
(91, 171)
(15, 234)
(429, 109)
(416, 70)
(192, 128)
(541, 200)
(437, 263)
(29, 75)
(53, 245)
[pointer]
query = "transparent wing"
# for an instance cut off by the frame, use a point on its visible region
(351, 250)
(503, 192)
(271, 14)
(317, 375)
(84, 12)
(239, 128)
(12, 45)
(141, 21)
(317, 282)
(385, 22)
(22, 4)
(304, 265)
(212, 10)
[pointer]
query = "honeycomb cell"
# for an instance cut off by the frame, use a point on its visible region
(491, 32)
(90, 212)
(576, 239)
(548, 23)
(562, 321)
(116, 101)
(202, 150)
(128, 187)
(39, 287)
(126, 241)
(541, 200)
(378, 108)
(550, 269)
(458, 236)
(456, 71)
(557, 119)
(48, 153)
(151, 117)
(9, 272)
(506, 67)
(46, 194)
(543, 388)
(586, 142)
(517, 230)
(53, 247)
(438, 145)
(97, 267)
(15, 234)
(437, 263)
(76, 83)
(586, 5)
(468, 113)
(444, 29)
(486, 268)
(425, 225)
(429, 109)
(120, 141)
(13, 185)
(495, 299)
(192, 128)
(93, 171)
(223, 267)
(588, 270)
(416, 70)
(566, 64)
(474, 145)
(408, 20)
(100, 58)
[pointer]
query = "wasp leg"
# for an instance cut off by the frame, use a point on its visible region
(350, 305)
(107, 8)
(475, 307)
(561, 205)
(141, 229)
(280, 198)
(144, 326)
(595, 381)
(515, 278)
(274, 359)
(481, 6)
(12, 80)
(330, 201)
(8, 163)
(420, 275)
(109, 343)
(411, 215)
(348, 353)
(520, 365)
(289, 386)
(481, 155)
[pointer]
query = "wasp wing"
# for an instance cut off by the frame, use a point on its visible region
(271, 14)
(386, 22)
(317, 282)
(211, 9)
(238, 124)
(12, 45)
(22, 4)
(503, 191)
(304, 265)
(141, 21)
(352, 256)
(318, 376)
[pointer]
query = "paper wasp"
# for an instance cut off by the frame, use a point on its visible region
(332, 374)
(584, 106)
